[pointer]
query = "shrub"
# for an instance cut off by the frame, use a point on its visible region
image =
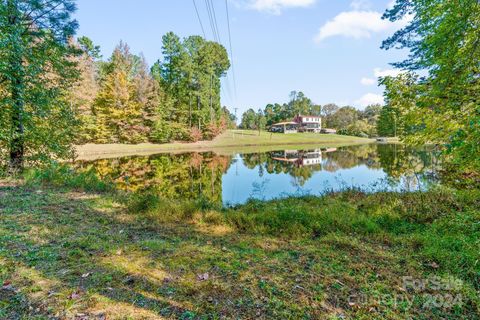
(62, 175)
(214, 129)
(213, 217)
(151, 204)
(195, 134)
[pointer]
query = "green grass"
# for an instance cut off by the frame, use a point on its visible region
(230, 142)
(64, 252)
(64, 176)
(247, 137)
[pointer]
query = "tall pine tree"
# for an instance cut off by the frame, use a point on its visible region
(36, 121)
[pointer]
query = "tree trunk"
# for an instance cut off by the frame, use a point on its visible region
(198, 106)
(17, 148)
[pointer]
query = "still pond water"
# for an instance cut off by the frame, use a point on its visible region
(233, 179)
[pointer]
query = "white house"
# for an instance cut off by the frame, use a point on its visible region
(308, 123)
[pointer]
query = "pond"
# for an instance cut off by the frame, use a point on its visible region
(233, 179)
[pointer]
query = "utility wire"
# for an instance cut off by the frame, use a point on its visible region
(231, 50)
(210, 18)
(199, 19)
(216, 36)
(216, 32)
(215, 21)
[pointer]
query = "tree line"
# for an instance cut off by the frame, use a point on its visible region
(122, 100)
(346, 120)
(436, 100)
(56, 91)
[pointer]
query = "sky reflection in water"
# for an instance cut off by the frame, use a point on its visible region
(234, 179)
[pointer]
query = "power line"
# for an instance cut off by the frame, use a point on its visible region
(215, 21)
(229, 90)
(210, 18)
(216, 33)
(231, 50)
(199, 19)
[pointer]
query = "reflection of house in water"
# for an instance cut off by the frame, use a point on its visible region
(299, 158)
(312, 157)
(286, 155)
(327, 150)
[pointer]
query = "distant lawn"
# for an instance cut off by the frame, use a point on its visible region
(248, 137)
(230, 142)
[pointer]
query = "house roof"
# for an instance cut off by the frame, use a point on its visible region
(285, 159)
(284, 123)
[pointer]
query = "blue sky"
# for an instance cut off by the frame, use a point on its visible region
(328, 49)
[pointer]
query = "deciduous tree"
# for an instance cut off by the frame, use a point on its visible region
(444, 42)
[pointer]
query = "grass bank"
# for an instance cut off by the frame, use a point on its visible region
(85, 252)
(229, 142)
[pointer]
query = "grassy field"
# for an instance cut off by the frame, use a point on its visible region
(77, 253)
(229, 142)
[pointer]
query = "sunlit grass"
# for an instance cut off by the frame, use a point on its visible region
(64, 252)
(230, 142)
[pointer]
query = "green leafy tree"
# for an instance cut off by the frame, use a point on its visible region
(83, 94)
(87, 46)
(261, 121)
(36, 120)
(359, 128)
(298, 104)
(327, 112)
(343, 118)
(127, 100)
(229, 117)
(443, 39)
(387, 125)
(249, 120)
(371, 113)
(190, 75)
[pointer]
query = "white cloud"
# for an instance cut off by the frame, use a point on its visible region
(370, 98)
(379, 73)
(391, 4)
(358, 23)
(368, 81)
(386, 72)
(353, 24)
(276, 6)
(360, 5)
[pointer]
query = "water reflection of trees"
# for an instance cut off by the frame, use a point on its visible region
(269, 162)
(196, 175)
(350, 157)
(187, 176)
(414, 166)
